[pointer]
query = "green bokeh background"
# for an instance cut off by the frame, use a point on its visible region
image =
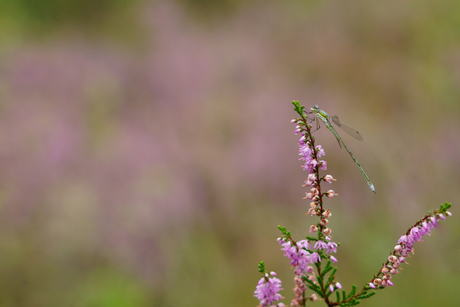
(147, 154)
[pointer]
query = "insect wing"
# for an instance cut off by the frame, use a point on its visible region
(352, 132)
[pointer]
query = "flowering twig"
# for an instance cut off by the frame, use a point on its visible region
(311, 258)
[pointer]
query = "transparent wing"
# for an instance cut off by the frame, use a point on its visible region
(352, 132)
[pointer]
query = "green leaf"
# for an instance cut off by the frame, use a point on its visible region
(316, 289)
(297, 107)
(320, 279)
(326, 270)
(353, 291)
(366, 295)
(284, 231)
(261, 267)
(331, 277)
(446, 206)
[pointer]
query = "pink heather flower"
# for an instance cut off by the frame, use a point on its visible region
(310, 165)
(330, 193)
(324, 222)
(331, 247)
(314, 297)
(297, 128)
(434, 222)
(304, 149)
(299, 283)
(299, 290)
(304, 244)
(327, 213)
(320, 151)
(306, 153)
(333, 258)
(302, 268)
(392, 258)
(311, 180)
(309, 156)
(416, 234)
(403, 239)
(390, 283)
(310, 270)
(315, 257)
(405, 252)
(426, 227)
(323, 165)
(328, 178)
(313, 228)
(338, 285)
(371, 285)
(290, 252)
(331, 288)
(299, 255)
(320, 245)
(267, 290)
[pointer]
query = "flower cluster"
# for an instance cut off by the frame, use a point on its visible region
(405, 246)
(310, 154)
(303, 258)
(267, 290)
(301, 255)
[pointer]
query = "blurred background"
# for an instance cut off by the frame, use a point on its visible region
(147, 154)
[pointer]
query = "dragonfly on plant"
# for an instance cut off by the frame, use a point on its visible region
(320, 115)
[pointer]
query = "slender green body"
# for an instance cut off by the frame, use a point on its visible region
(325, 118)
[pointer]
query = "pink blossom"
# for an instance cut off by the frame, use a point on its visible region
(267, 290)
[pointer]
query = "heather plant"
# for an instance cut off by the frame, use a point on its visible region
(312, 258)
